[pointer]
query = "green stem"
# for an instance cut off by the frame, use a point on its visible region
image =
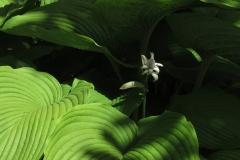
(145, 90)
(203, 69)
(143, 50)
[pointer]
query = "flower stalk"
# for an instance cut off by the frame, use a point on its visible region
(150, 67)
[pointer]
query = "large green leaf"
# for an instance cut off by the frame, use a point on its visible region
(56, 23)
(134, 18)
(206, 35)
(226, 15)
(46, 2)
(220, 68)
(225, 155)
(30, 104)
(98, 131)
(224, 3)
(214, 115)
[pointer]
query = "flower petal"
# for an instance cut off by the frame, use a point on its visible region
(159, 64)
(152, 55)
(156, 70)
(155, 77)
(144, 60)
(150, 71)
(144, 67)
(145, 72)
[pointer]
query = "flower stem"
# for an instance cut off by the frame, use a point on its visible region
(205, 64)
(145, 90)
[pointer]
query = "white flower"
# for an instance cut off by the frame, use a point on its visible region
(150, 67)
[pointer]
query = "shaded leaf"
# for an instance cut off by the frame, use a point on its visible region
(206, 35)
(56, 23)
(16, 63)
(225, 155)
(224, 3)
(35, 52)
(220, 68)
(226, 15)
(128, 101)
(134, 19)
(214, 115)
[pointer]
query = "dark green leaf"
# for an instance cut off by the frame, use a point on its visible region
(214, 115)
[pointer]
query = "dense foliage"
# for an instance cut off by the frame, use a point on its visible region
(63, 62)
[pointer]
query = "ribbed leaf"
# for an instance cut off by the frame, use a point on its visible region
(46, 2)
(134, 18)
(56, 23)
(226, 15)
(214, 115)
(30, 104)
(9, 8)
(65, 89)
(206, 35)
(98, 131)
(225, 155)
(220, 68)
(224, 3)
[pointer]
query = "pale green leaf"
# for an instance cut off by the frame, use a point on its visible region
(98, 131)
(30, 104)
(46, 2)
(65, 89)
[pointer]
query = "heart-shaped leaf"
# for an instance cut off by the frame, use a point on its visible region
(30, 104)
(225, 155)
(214, 115)
(206, 35)
(134, 18)
(98, 131)
(224, 3)
(220, 68)
(56, 23)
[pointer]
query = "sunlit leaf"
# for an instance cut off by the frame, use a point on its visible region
(98, 131)
(30, 104)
